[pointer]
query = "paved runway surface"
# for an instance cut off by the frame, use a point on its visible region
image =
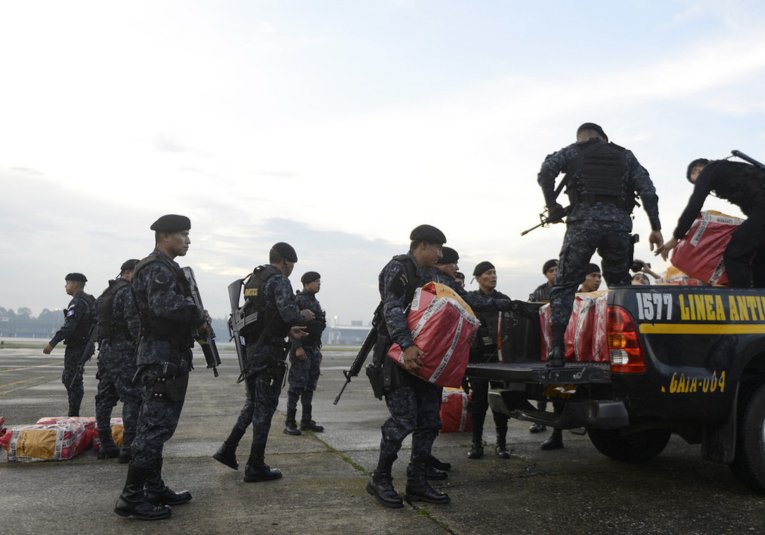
(571, 491)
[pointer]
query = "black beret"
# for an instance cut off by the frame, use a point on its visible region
(553, 262)
(482, 268)
(695, 163)
(171, 223)
(427, 233)
(309, 277)
(591, 126)
(592, 268)
(76, 277)
(129, 264)
(459, 275)
(286, 250)
(449, 256)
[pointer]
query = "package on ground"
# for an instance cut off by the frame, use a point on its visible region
(586, 336)
(676, 277)
(117, 432)
(2, 425)
(700, 252)
(89, 422)
(52, 442)
(454, 411)
(441, 323)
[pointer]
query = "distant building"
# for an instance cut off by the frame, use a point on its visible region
(348, 335)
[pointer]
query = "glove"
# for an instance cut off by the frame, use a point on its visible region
(555, 213)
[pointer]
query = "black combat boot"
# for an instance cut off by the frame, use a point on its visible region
(476, 448)
(381, 484)
(132, 501)
(537, 428)
(74, 411)
(306, 424)
(556, 357)
(290, 425)
(501, 447)
(441, 465)
(108, 449)
(126, 454)
(555, 442)
(418, 488)
(431, 472)
(226, 454)
(256, 469)
(157, 493)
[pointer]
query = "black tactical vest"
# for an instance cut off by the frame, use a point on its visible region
(105, 311)
(412, 283)
(599, 173)
(256, 318)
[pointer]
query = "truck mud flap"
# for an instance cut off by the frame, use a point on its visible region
(588, 413)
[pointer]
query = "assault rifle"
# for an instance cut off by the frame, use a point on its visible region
(363, 353)
(87, 353)
(236, 324)
(748, 159)
(546, 220)
(206, 342)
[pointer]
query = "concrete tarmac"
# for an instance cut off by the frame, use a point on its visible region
(573, 490)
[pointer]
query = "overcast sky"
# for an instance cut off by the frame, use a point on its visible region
(338, 126)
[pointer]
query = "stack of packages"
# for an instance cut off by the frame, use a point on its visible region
(58, 441)
(2, 425)
(454, 414)
(117, 431)
(441, 323)
(586, 336)
(676, 277)
(700, 252)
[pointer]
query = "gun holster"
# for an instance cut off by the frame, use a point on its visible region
(170, 384)
(375, 369)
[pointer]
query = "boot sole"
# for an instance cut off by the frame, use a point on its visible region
(221, 460)
(128, 514)
(294, 433)
(257, 479)
(417, 498)
(391, 505)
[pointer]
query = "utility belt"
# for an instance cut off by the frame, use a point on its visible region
(385, 376)
(171, 383)
(591, 198)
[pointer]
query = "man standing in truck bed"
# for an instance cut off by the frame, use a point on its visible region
(601, 182)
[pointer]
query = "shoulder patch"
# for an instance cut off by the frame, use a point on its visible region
(162, 279)
(70, 311)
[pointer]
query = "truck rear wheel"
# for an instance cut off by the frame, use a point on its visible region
(633, 447)
(749, 463)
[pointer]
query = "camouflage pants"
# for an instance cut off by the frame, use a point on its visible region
(72, 376)
(412, 410)
(116, 384)
(264, 389)
(303, 377)
(479, 404)
(583, 238)
(157, 420)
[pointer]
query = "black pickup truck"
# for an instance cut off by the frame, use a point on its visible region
(685, 360)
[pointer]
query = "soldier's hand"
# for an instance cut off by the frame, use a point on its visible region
(204, 329)
(555, 213)
(308, 315)
(655, 238)
(208, 318)
(300, 354)
(412, 358)
(471, 338)
(667, 247)
(47, 349)
(298, 333)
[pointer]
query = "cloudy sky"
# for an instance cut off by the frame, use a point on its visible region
(338, 126)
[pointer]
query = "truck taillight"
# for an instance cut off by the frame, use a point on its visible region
(624, 342)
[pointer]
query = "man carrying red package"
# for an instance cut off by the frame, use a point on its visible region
(740, 184)
(414, 403)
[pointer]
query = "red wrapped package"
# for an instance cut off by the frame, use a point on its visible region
(441, 323)
(586, 336)
(677, 278)
(89, 422)
(454, 414)
(2, 425)
(54, 442)
(117, 432)
(700, 252)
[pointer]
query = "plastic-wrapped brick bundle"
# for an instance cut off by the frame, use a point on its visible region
(88, 421)
(441, 323)
(2, 425)
(700, 252)
(117, 431)
(677, 278)
(53, 442)
(454, 413)
(586, 336)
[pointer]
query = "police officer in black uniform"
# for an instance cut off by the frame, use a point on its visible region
(169, 317)
(542, 293)
(80, 315)
(602, 179)
(740, 184)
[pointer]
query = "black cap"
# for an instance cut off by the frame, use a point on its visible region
(129, 264)
(286, 250)
(449, 256)
(76, 277)
(591, 126)
(482, 268)
(459, 275)
(428, 233)
(553, 262)
(695, 163)
(172, 223)
(592, 268)
(309, 277)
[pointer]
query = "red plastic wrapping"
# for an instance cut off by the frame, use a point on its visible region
(2, 425)
(89, 422)
(441, 323)
(117, 433)
(54, 442)
(700, 253)
(586, 336)
(454, 411)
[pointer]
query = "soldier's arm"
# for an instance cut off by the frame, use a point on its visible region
(394, 283)
(701, 189)
(165, 302)
(555, 164)
(129, 312)
(300, 302)
(74, 313)
(643, 186)
(285, 300)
